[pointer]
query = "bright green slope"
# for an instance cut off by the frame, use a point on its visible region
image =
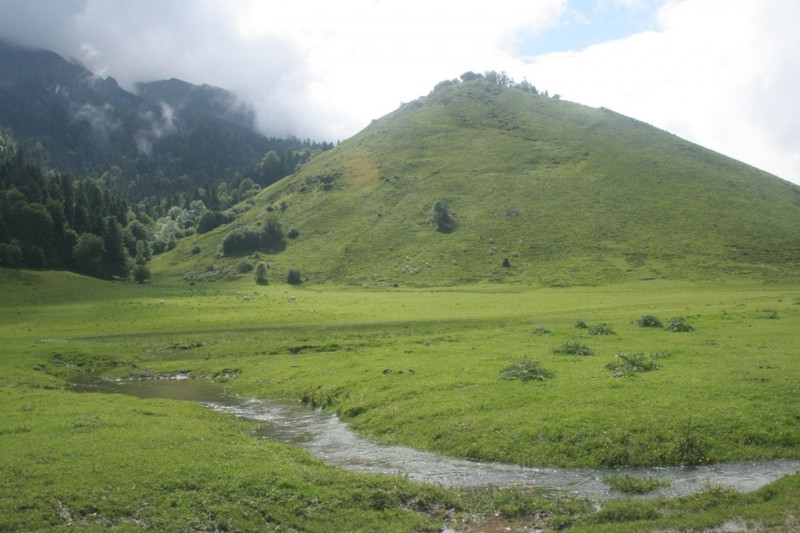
(569, 194)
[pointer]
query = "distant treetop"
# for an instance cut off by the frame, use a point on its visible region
(500, 78)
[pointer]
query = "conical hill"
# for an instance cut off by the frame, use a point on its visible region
(527, 189)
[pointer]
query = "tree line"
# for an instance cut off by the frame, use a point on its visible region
(49, 219)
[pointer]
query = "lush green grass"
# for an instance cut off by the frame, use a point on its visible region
(726, 391)
(96, 463)
(570, 195)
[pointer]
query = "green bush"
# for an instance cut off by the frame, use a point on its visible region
(441, 219)
(574, 348)
(540, 330)
(678, 324)
(580, 324)
(293, 277)
(244, 267)
(10, 255)
(631, 364)
(526, 370)
(248, 239)
(141, 273)
(601, 329)
(648, 321)
(210, 220)
(261, 274)
(241, 241)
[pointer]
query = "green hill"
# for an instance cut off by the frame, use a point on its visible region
(566, 193)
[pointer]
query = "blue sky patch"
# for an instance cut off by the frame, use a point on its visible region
(588, 22)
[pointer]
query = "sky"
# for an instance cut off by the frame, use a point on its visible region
(722, 73)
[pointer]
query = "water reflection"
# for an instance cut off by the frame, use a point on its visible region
(324, 435)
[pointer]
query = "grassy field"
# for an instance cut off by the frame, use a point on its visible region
(417, 367)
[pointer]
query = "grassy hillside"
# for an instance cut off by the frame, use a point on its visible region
(569, 194)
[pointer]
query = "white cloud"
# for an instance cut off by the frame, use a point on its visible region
(365, 57)
(723, 74)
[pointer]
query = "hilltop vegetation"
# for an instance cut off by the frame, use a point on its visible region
(531, 189)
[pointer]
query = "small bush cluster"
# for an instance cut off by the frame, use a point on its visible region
(574, 348)
(441, 219)
(631, 364)
(293, 277)
(580, 324)
(678, 324)
(540, 330)
(210, 220)
(248, 239)
(648, 321)
(601, 329)
(526, 370)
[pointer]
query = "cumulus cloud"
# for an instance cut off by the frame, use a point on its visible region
(310, 68)
(719, 73)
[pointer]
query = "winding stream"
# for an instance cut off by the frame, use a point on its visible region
(325, 436)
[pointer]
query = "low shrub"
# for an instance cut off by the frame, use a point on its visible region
(580, 324)
(574, 348)
(648, 321)
(601, 329)
(540, 330)
(293, 277)
(678, 324)
(631, 364)
(526, 370)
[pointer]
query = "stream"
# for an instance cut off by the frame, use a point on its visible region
(329, 439)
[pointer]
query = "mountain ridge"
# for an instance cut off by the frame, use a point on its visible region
(172, 138)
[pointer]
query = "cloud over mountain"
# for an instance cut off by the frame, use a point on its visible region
(722, 74)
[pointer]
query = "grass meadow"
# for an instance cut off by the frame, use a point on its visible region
(418, 367)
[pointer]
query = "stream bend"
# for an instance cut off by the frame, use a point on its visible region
(329, 439)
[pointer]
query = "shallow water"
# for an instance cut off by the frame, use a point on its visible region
(325, 436)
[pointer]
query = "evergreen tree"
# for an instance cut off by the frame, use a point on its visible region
(441, 219)
(115, 258)
(88, 255)
(261, 274)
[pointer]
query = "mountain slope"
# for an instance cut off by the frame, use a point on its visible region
(568, 194)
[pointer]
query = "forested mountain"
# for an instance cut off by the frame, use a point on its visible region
(97, 179)
(173, 140)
